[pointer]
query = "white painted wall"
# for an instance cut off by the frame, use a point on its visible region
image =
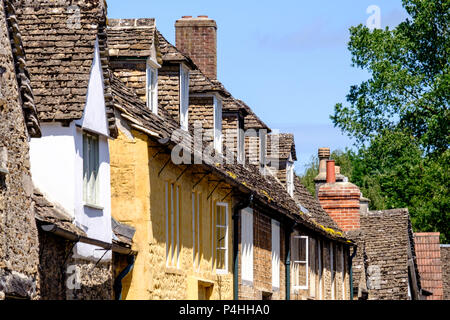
(52, 159)
(57, 167)
(95, 222)
(94, 117)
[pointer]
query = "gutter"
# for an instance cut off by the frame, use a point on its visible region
(287, 243)
(72, 236)
(236, 216)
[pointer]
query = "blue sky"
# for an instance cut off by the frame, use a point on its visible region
(287, 59)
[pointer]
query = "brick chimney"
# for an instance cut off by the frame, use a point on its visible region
(341, 200)
(321, 178)
(197, 37)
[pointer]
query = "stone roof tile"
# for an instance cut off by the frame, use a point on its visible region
(265, 187)
(59, 49)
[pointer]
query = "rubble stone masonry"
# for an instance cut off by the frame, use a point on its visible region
(445, 258)
(18, 234)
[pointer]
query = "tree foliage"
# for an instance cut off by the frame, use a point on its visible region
(409, 86)
(400, 117)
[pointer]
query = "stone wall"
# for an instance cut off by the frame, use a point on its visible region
(18, 233)
(445, 258)
(261, 288)
(139, 183)
(65, 278)
(133, 74)
(169, 89)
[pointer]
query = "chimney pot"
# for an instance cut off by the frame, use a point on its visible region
(203, 16)
(186, 17)
(331, 171)
(324, 153)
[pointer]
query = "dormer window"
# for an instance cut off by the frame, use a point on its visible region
(152, 87)
(184, 97)
(218, 124)
(290, 176)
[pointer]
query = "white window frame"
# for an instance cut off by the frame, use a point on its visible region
(275, 254)
(196, 216)
(299, 263)
(333, 272)
(91, 166)
(184, 97)
(290, 176)
(247, 245)
(152, 86)
(218, 135)
(172, 229)
(216, 226)
(241, 141)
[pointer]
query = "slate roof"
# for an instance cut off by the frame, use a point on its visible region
(387, 237)
(247, 179)
(122, 234)
(429, 263)
(284, 147)
(133, 38)
(60, 52)
(313, 208)
(48, 213)
(171, 54)
(200, 83)
(22, 72)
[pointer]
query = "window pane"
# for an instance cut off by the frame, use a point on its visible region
(302, 249)
(90, 168)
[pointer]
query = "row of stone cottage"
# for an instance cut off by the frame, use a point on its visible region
(106, 192)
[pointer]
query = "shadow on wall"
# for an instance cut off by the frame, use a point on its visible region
(63, 278)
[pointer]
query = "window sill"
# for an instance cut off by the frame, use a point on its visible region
(4, 171)
(93, 206)
(222, 272)
(174, 271)
(296, 289)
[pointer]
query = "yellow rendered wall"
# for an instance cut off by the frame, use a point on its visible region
(138, 199)
(130, 189)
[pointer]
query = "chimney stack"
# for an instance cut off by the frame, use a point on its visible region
(197, 37)
(341, 200)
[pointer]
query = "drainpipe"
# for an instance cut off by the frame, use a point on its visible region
(287, 243)
(236, 216)
(118, 281)
(350, 262)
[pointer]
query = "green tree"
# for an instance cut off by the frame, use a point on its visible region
(409, 86)
(400, 116)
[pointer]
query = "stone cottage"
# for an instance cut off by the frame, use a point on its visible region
(65, 47)
(261, 206)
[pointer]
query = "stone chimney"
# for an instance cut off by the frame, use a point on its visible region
(341, 200)
(197, 37)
